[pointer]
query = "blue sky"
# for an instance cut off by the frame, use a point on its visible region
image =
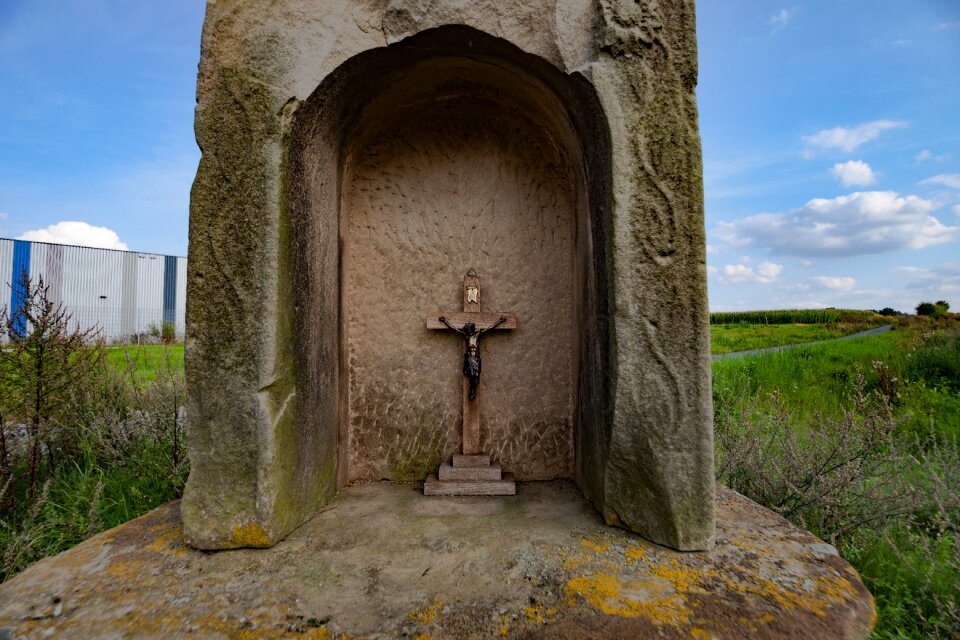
(831, 136)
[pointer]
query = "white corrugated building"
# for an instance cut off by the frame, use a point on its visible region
(125, 293)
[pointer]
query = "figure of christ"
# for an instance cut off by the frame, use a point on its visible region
(471, 357)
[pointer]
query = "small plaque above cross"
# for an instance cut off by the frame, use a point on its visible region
(471, 473)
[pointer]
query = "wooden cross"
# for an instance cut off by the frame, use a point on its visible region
(483, 321)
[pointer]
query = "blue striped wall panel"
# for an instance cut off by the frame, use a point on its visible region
(18, 293)
(169, 289)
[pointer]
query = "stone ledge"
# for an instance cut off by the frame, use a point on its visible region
(383, 561)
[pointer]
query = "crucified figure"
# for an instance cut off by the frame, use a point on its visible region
(471, 357)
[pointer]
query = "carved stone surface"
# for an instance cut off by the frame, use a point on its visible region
(439, 189)
(577, 122)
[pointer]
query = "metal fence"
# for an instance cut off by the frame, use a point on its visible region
(126, 294)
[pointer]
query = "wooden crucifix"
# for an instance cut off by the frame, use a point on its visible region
(471, 323)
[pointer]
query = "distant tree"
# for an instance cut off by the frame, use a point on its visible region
(889, 311)
(933, 309)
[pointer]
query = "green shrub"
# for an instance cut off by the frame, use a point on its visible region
(936, 361)
(83, 445)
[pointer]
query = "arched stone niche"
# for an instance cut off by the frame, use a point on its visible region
(408, 164)
(451, 151)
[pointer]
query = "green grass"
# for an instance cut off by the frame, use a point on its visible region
(817, 379)
(145, 359)
(730, 338)
(910, 564)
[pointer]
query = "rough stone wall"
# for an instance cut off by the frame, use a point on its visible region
(454, 183)
(265, 425)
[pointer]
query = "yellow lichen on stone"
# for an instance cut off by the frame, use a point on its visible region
(597, 547)
(539, 613)
(634, 553)
(169, 541)
(683, 578)
(504, 626)
(655, 599)
(428, 614)
(825, 591)
(250, 535)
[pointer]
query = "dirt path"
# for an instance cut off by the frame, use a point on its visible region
(753, 352)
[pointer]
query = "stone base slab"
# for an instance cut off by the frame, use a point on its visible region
(505, 486)
(383, 561)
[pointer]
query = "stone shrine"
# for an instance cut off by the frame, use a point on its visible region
(359, 157)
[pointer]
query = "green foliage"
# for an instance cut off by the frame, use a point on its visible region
(935, 361)
(792, 316)
(859, 441)
(934, 310)
(83, 445)
(889, 312)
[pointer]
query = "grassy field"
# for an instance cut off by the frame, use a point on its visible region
(143, 361)
(730, 338)
(858, 442)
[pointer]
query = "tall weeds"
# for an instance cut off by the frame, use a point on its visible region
(863, 478)
(83, 446)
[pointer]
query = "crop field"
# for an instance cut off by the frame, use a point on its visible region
(793, 316)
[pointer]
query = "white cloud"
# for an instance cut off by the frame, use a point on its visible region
(806, 264)
(956, 209)
(845, 283)
(780, 19)
(765, 273)
(926, 154)
(942, 279)
(3, 215)
(78, 233)
(854, 173)
(848, 139)
(857, 224)
(805, 304)
(712, 250)
(951, 180)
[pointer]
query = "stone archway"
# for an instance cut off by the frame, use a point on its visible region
(451, 150)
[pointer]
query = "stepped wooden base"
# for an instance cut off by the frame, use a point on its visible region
(503, 487)
(470, 475)
(449, 472)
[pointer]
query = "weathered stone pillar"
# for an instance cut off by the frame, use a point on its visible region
(282, 90)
